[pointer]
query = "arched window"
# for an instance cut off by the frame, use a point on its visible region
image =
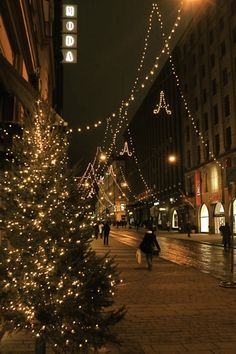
(204, 219)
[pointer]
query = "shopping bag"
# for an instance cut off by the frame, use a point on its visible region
(138, 256)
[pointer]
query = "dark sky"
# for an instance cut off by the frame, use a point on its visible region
(111, 36)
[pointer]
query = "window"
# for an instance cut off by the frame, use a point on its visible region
(187, 133)
(207, 150)
(228, 139)
(203, 71)
(214, 87)
(202, 49)
(205, 182)
(212, 60)
(234, 34)
(233, 7)
(211, 37)
(204, 96)
(222, 48)
(215, 114)
(217, 144)
(221, 23)
(225, 76)
(206, 121)
(188, 159)
(198, 155)
(226, 106)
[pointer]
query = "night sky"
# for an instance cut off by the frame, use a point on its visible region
(111, 38)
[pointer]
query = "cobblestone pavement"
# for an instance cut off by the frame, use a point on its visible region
(171, 309)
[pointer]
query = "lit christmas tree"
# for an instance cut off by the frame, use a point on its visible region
(54, 285)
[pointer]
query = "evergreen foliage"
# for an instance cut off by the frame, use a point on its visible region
(51, 281)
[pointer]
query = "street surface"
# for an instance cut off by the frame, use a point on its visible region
(206, 256)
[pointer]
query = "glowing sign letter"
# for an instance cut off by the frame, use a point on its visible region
(70, 11)
(70, 26)
(69, 41)
(69, 57)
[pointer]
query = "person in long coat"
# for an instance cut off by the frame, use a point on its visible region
(106, 232)
(148, 245)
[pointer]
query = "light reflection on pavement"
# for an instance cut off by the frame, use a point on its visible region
(208, 258)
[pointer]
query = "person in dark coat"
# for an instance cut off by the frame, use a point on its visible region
(226, 235)
(106, 232)
(148, 244)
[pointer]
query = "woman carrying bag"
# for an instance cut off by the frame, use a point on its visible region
(148, 244)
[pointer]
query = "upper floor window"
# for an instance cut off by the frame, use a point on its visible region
(206, 121)
(198, 155)
(223, 48)
(215, 114)
(233, 7)
(207, 150)
(234, 34)
(187, 133)
(226, 106)
(225, 76)
(212, 60)
(221, 23)
(211, 37)
(228, 139)
(217, 144)
(214, 87)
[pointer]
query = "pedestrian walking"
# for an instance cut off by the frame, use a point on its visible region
(106, 232)
(188, 228)
(148, 245)
(226, 235)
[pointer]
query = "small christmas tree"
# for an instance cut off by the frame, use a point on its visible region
(55, 285)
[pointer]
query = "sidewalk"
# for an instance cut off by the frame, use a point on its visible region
(173, 309)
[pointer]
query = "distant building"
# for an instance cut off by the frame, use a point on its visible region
(113, 192)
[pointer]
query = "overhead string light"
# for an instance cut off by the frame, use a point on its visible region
(89, 127)
(127, 184)
(123, 118)
(193, 122)
(148, 189)
(125, 105)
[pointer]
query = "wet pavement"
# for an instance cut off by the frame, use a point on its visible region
(172, 309)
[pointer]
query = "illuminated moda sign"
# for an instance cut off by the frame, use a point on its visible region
(69, 33)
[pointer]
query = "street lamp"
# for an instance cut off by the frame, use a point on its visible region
(172, 158)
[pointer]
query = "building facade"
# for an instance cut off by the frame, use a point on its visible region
(27, 63)
(199, 86)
